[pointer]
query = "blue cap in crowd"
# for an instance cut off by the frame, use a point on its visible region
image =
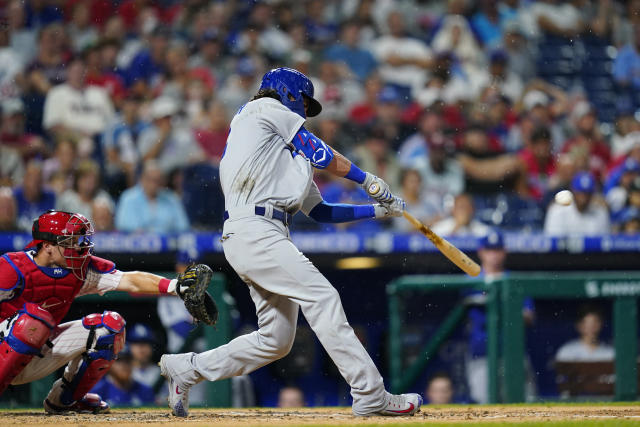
(631, 165)
(492, 240)
(246, 67)
(141, 333)
(583, 182)
(389, 94)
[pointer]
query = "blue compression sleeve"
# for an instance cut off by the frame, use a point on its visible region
(355, 174)
(339, 212)
(313, 148)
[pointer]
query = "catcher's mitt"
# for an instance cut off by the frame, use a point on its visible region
(192, 288)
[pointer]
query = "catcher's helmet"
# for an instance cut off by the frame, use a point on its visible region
(292, 86)
(71, 231)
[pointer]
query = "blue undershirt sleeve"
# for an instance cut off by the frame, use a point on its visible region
(339, 212)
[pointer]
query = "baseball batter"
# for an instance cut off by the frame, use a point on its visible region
(267, 176)
(37, 287)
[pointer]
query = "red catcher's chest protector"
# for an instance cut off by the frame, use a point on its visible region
(52, 288)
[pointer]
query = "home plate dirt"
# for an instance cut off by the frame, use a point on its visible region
(325, 416)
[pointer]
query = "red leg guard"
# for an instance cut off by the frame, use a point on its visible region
(29, 331)
(99, 358)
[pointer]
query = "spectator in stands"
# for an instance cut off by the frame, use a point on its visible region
(588, 347)
(347, 50)
(586, 216)
(448, 83)
(12, 131)
(455, 36)
(210, 55)
(149, 206)
(488, 23)
(626, 66)
(81, 33)
(119, 388)
(587, 140)
(11, 167)
(624, 23)
(442, 175)
(149, 63)
(47, 70)
(630, 221)
(101, 70)
(12, 66)
(487, 170)
(31, 197)
(336, 90)
(375, 155)
(544, 104)
(212, 136)
(141, 341)
(73, 108)
(290, 397)
(519, 51)
(492, 254)
(416, 147)
(561, 19)
(618, 185)
(363, 113)
(8, 210)
(168, 140)
(439, 389)
(119, 146)
(539, 163)
(412, 194)
(86, 190)
(626, 135)
(61, 165)
(500, 78)
(240, 86)
(102, 214)
(403, 60)
(23, 39)
(461, 221)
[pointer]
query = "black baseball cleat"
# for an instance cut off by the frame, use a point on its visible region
(91, 403)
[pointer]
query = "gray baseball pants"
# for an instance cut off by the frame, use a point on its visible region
(281, 280)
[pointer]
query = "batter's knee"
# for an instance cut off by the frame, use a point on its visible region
(277, 341)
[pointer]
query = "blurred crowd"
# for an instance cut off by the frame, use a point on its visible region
(476, 113)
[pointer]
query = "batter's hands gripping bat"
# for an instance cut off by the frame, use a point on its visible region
(454, 254)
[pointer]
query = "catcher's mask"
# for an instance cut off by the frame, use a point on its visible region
(71, 231)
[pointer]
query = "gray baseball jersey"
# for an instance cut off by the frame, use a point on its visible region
(258, 167)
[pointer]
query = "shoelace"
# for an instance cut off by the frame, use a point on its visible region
(397, 400)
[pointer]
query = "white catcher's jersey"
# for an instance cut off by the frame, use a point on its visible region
(258, 168)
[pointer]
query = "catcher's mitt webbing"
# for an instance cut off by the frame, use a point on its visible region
(192, 288)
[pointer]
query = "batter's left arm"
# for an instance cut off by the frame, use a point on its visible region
(322, 156)
(146, 283)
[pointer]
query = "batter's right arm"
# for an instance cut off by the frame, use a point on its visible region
(374, 186)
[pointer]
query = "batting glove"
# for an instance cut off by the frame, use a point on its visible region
(395, 208)
(377, 188)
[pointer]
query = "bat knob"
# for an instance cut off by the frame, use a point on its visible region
(374, 188)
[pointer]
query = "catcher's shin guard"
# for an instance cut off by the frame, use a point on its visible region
(29, 331)
(98, 358)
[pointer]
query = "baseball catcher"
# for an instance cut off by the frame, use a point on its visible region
(266, 174)
(37, 288)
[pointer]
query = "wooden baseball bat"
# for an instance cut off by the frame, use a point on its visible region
(456, 256)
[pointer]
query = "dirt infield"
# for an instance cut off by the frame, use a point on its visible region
(329, 416)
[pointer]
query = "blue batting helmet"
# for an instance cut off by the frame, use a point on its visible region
(292, 86)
